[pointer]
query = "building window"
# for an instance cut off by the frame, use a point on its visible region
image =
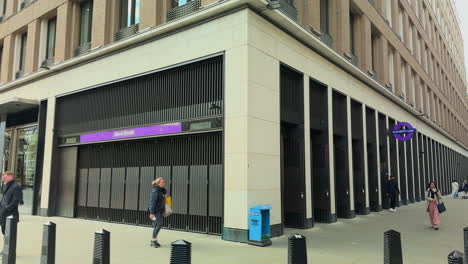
(176, 3)
(50, 46)
(129, 13)
(324, 17)
(374, 43)
(1, 58)
(22, 57)
(86, 22)
(413, 88)
(389, 11)
(4, 6)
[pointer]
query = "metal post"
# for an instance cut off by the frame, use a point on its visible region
(465, 238)
(181, 252)
(9, 248)
(455, 257)
(297, 250)
(101, 253)
(48, 243)
(392, 248)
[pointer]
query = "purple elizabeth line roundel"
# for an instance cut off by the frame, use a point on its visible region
(403, 134)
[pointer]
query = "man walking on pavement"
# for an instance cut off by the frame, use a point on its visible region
(10, 200)
(392, 192)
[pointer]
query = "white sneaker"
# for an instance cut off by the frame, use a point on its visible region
(392, 210)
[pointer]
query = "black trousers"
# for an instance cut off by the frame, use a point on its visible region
(392, 202)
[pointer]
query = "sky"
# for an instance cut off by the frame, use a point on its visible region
(463, 5)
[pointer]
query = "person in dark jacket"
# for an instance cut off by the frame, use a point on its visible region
(10, 200)
(392, 192)
(156, 208)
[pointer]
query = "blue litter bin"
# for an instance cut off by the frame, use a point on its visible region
(259, 225)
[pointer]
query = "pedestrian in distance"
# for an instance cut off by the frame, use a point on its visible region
(11, 198)
(455, 188)
(392, 192)
(433, 198)
(464, 189)
(156, 208)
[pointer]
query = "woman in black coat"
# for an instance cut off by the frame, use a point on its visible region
(156, 208)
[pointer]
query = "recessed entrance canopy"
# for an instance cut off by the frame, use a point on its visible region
(15, 105)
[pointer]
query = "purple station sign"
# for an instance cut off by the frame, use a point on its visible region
(132, 132)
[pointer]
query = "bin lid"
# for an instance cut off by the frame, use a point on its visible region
(261, 207)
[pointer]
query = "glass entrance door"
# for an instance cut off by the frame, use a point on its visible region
(25, 166)
(6, 151)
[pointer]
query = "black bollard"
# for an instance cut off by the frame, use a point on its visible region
(9, 245)
(48, 243)
(465, 238)
(297, 250)
(392, 248)
(101, 253)
(181, 252)
(455, 257)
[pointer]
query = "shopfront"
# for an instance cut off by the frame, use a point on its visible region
(19, 141)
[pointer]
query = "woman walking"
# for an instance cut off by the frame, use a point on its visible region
(433, 197)
(156, 208)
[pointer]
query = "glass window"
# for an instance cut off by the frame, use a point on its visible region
(22, 58)
(6, 151)
(389, 11)
(86, 19)
(176, 3)
(324, 18)
(403, 80)
(26, 164)
(4, 6)
(391, 69)
(51, 28)
(129, 13)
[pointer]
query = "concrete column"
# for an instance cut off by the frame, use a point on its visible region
(397, 174)
(420, 174)
(406, 26)
(405, 147)
(350, 153)
(3, 117)
(395, 19)
(32, 46)
(397, 72)
(366, 43)
(377, 140)
(7, 59)
(151, 13)
(105, 22)
(63, 33)
(307, 150)
(310, 17)
(11, 7)
(48, 149)
(409, 85)
(252, 145)
(414, 170)
(342, 38)
(389, 169)
(331, 151)
(364, 146)
(382, 60)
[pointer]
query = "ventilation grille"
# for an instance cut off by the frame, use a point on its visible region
(83, 49)
(288, 9)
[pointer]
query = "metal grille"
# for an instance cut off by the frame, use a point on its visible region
(115, 180)
(181, 93)
(83, 49)
(288, 9)
(328, 40)
(184, 10)
(126, 32)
